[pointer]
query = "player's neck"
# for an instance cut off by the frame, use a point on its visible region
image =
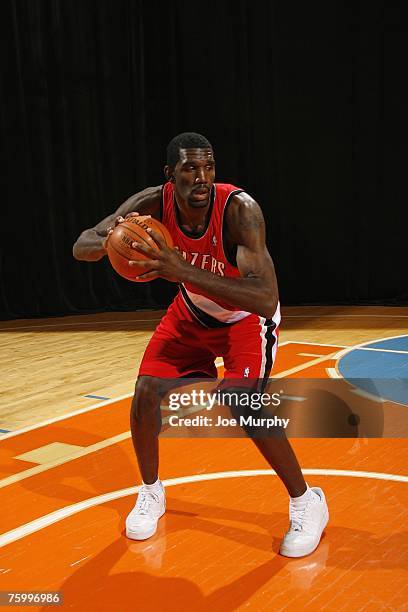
(190, 219)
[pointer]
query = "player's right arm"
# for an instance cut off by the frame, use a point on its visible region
(90, 246)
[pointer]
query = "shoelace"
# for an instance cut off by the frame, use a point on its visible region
(144, 500)
(298, 514)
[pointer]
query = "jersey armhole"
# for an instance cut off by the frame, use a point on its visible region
(230, 257)
(161, 208)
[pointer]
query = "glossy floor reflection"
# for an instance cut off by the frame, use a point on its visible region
(217, 546)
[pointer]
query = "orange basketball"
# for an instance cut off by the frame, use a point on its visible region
(120, 251)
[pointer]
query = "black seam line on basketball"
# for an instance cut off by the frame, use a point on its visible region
(121, 255)
(125, 257)
(154, 228)
(111, 246)
(138, 235)
(164, 236)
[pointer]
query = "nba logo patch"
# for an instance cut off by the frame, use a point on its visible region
(246, 372)
(214, 241)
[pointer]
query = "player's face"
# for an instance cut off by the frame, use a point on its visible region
(194, 176)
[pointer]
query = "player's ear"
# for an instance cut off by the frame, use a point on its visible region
(169, 173)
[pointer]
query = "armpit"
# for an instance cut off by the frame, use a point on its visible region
(244, 217)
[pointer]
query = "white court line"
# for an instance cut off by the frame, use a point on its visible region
(294, 398)
(364, 346)
(368, 348)
(127, 395)
(318, 343)
(219, 362)
(303, 366)
(100, 404)
(86, 450)
(360, 347)
(333, 373)
(367, 395)
(378, 350)
(38, 469)
(54, 517)
(68, 415)
(44, 467)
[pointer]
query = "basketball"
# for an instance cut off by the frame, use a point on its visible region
(120, 245)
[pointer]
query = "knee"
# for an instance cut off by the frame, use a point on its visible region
(146, 399)
(233, 398)
(244, 406)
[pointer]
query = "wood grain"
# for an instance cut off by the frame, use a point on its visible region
(49, 365)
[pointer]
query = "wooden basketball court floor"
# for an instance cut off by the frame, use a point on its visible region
(68, 478)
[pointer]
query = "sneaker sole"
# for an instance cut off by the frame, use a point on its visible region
(306, 551)
(145, 535)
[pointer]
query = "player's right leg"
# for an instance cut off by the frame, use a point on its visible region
(145, 424)
(170, 355)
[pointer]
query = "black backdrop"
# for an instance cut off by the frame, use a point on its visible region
(304, 103)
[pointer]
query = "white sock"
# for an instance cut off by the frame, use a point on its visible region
(153, 488)
(302, 499)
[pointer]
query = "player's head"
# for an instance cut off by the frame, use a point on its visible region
(191, 167)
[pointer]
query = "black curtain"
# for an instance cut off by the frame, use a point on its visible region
(304, 103)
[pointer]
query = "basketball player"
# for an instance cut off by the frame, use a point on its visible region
(227, 307)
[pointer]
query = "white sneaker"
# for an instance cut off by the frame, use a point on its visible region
(142, 521)
(306, 526)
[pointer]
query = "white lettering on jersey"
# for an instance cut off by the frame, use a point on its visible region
(221, 267)
(204, 262)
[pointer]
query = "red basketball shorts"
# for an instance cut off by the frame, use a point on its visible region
(182, 346)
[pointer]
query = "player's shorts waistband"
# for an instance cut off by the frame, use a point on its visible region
(200, 315)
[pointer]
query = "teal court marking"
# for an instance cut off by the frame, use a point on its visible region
(381, 371)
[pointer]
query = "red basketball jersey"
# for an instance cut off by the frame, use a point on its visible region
(205, 252)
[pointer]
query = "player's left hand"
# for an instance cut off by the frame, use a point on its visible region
(166, 262)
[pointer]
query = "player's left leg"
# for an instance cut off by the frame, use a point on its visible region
(251, 351)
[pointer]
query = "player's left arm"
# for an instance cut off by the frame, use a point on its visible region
(255, 291)
(246, 229)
